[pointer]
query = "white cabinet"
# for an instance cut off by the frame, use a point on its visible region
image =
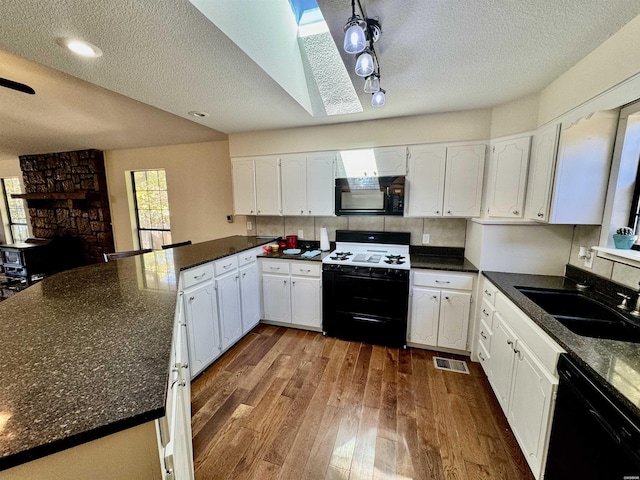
(521, 369)
(244, 200)
(372, 162)
(445, 180)
(201, 315)
(463, 180)
(307, 184)
(250, 295)
(569, 170)
(228, 294)
(439, 317)
(425, 180)
(267, 186)
(508, 166)
(291, 292)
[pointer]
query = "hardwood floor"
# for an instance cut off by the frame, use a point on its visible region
(290, 404)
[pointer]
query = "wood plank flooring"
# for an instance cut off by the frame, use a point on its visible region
(289, 404)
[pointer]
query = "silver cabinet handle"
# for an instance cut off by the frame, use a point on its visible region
(250, 211)
(487, 293)
(485, 312)
(516, 351)
(305, 270)
(447, 298)
(198, 277)
(516, 212)
(509, 342)
(438, 212)
(309, 212)
(481, 357)
(274, 268)
(285, 282)
(258, 211)
(236, 278)
(191, 299)
(449, 211)
(293, 282)
(540, 215)
(435, 297)
(301, 212)
(244, 274)
(227, 266)
(483, 335)
(443, 281)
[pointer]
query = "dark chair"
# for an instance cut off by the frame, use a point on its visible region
(174, 245)
(109, 257)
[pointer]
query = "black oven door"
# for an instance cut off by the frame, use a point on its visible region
(366, 307)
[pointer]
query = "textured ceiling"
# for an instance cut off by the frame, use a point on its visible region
(435, 55)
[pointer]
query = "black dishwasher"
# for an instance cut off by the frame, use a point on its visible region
(593, 436)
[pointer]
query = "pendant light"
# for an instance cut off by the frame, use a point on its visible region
(355, 40)
(364, 64)
(378, 98)
(372, 83)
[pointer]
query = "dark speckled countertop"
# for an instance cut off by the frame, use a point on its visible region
(614, 364)
(85, 353)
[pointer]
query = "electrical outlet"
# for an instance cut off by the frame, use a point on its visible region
(425, 238)
(588, 260)
(300, 234)
(249, 225)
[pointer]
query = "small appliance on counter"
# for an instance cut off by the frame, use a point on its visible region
(292, 241)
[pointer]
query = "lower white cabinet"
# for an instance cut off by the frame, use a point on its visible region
(250, 296)
(440, 316)
(291, 292)
(201, 316)
(520, 361)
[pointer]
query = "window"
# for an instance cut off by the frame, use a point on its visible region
(151, 203)
(16, 213)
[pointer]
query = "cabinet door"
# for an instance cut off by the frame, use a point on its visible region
(293, 170)
(425, 180)
(454, 319)
(463, 180)
(390, 161)
(529, 411)
(244, 200)
(228, 288)
(508, 178)
(425, 310)
(202, 327)
(250, 295)
(320, 184)
(501, 361)
(276, 298)
(543, 159)
(305, 302)
(267, 186)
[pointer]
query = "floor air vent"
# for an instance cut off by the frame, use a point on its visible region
(451, 365)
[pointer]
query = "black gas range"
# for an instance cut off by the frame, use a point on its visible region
(365, 284)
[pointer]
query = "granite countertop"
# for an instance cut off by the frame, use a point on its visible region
(434, 262)
(85, 353)
(613, 364)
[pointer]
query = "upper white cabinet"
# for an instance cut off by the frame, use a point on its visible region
(445, 180)
(268, 186)
(569, 170)
(372, 162)
(507, 182)
(244, 199)
(307, 184)
(425, 180)
(463, 180)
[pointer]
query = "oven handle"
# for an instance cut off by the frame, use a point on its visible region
(367, 319)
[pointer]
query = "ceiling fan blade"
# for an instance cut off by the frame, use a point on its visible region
(21, 87)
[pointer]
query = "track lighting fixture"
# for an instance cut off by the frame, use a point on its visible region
(360, 35)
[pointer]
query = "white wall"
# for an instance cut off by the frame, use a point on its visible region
(520, 115)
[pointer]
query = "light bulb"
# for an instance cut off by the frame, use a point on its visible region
(364, 64)
(377, 100)
(354, 39)
(372, 83)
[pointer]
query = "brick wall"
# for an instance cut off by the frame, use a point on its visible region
(70, 173)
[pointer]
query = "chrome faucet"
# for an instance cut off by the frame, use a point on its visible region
(636, 311)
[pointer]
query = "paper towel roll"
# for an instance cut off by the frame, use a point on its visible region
(324, 239)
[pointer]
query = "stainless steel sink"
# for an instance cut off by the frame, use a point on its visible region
(583, 315)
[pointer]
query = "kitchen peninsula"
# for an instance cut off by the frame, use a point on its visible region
(85, 354)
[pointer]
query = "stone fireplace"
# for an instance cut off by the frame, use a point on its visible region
(66, 195)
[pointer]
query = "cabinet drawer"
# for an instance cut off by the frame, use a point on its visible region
(489, 292)
(275, 266)
(306, 269)
(246, 257)
(226, 264)
(486, 312)
(483, 356)
(196, 275)
(484, 336)
(443, 280)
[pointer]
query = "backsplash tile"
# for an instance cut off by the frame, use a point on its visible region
(583, 236)
(270, 226)
(602, 267)
(626, 275)
(331, 224)
(373, 223)
(404, 224)
(445, 232)
(306, 224)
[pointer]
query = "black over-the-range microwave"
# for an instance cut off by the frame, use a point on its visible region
(370, 196)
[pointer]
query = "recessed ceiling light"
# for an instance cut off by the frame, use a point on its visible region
(80, 47)
(194, 113)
